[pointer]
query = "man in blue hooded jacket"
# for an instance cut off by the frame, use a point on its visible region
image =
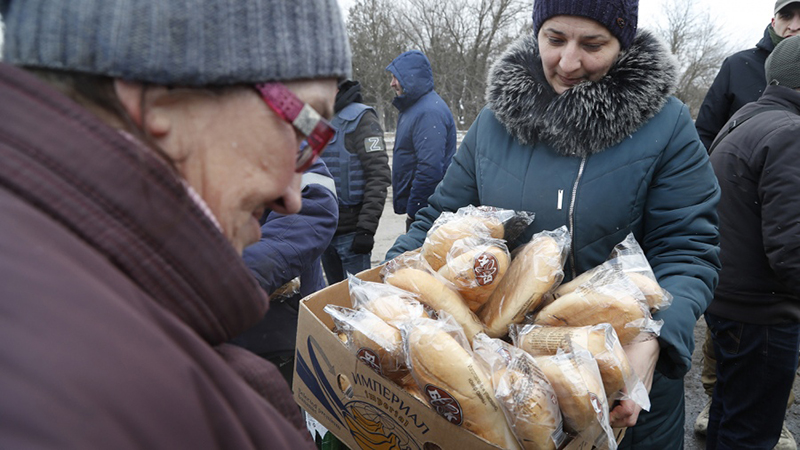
(425, 140)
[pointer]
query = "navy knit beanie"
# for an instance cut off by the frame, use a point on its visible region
(619, 16)
(180, 42)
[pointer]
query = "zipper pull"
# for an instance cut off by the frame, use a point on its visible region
(560, 198)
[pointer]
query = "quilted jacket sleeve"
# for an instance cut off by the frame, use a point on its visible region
(681, 240)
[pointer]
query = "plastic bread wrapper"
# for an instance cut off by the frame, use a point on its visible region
(475, 266)
(627, 257)
(451, 379)
(608, 296)
(536, 268)
(471, 221)
(526, 396)
(373, 341)
(411, 273)
(620, 381)
(390, 303)
(577, 383)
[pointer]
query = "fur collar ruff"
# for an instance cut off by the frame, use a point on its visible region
(587, 118)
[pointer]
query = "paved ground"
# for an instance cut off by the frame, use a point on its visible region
(392, 225)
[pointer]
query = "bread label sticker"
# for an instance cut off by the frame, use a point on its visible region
(444, 404)
(370, 358)
(485, 269)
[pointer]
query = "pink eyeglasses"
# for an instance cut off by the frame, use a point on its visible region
(303, 117)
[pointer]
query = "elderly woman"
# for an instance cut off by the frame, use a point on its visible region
(140, 143)
(581, 129)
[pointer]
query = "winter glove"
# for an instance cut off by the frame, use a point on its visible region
(363, 242)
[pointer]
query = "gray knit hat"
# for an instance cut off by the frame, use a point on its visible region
(621, 17)
(180, 42)
(783, 64)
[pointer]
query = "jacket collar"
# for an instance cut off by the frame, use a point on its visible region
(634, 90)
(116, 195)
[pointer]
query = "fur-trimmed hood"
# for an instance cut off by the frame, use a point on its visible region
(587, 118)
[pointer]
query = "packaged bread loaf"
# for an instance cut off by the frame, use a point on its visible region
(603, 344)
(527, 398)
(581, 397)
(385, 301)
(476, 266)
(373, 341)
(455, 385)
(608, 297)
(628, 258)
(437, 295)
(535, 269)
(451, 227)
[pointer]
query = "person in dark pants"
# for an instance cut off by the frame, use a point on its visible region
(754, 318)
(359, 165)
(741, 80)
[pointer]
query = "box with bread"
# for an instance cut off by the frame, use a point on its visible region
(434, 389)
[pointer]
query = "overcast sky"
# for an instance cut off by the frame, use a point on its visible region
(742, 21)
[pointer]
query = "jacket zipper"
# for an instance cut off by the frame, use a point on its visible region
(571, 219)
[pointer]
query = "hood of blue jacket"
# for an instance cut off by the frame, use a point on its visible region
(413, 70)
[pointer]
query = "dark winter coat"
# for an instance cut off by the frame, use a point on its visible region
(633, 163)
(425, 140)
(759, 175)
(290, 247)
(366, 142)
(740, 80)
(117, 295)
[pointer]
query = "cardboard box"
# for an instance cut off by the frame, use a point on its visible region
(363, 409)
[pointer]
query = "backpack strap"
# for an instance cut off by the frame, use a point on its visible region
(733, 124)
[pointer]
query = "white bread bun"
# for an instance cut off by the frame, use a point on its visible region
(591, 307)
(532, 273)
(441, 239)
(579, 390)
(532, 405)
(601, 341)
(651, 290)
(446, 371)
(437, 296)
(477, 272)
(394, 308)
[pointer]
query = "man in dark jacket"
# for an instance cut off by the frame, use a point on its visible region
(359, 164)
(741, 78)
(426, 134)
(286, 263)
(755, 315)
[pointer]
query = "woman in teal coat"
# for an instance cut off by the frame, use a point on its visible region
(581, 129)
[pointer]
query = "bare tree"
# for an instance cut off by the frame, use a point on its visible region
(693, 38)
(374, 41)
(459, 37)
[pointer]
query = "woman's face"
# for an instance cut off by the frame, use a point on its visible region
(238, 154)
(575, 50)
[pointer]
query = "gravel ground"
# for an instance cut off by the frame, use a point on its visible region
(392, 225)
